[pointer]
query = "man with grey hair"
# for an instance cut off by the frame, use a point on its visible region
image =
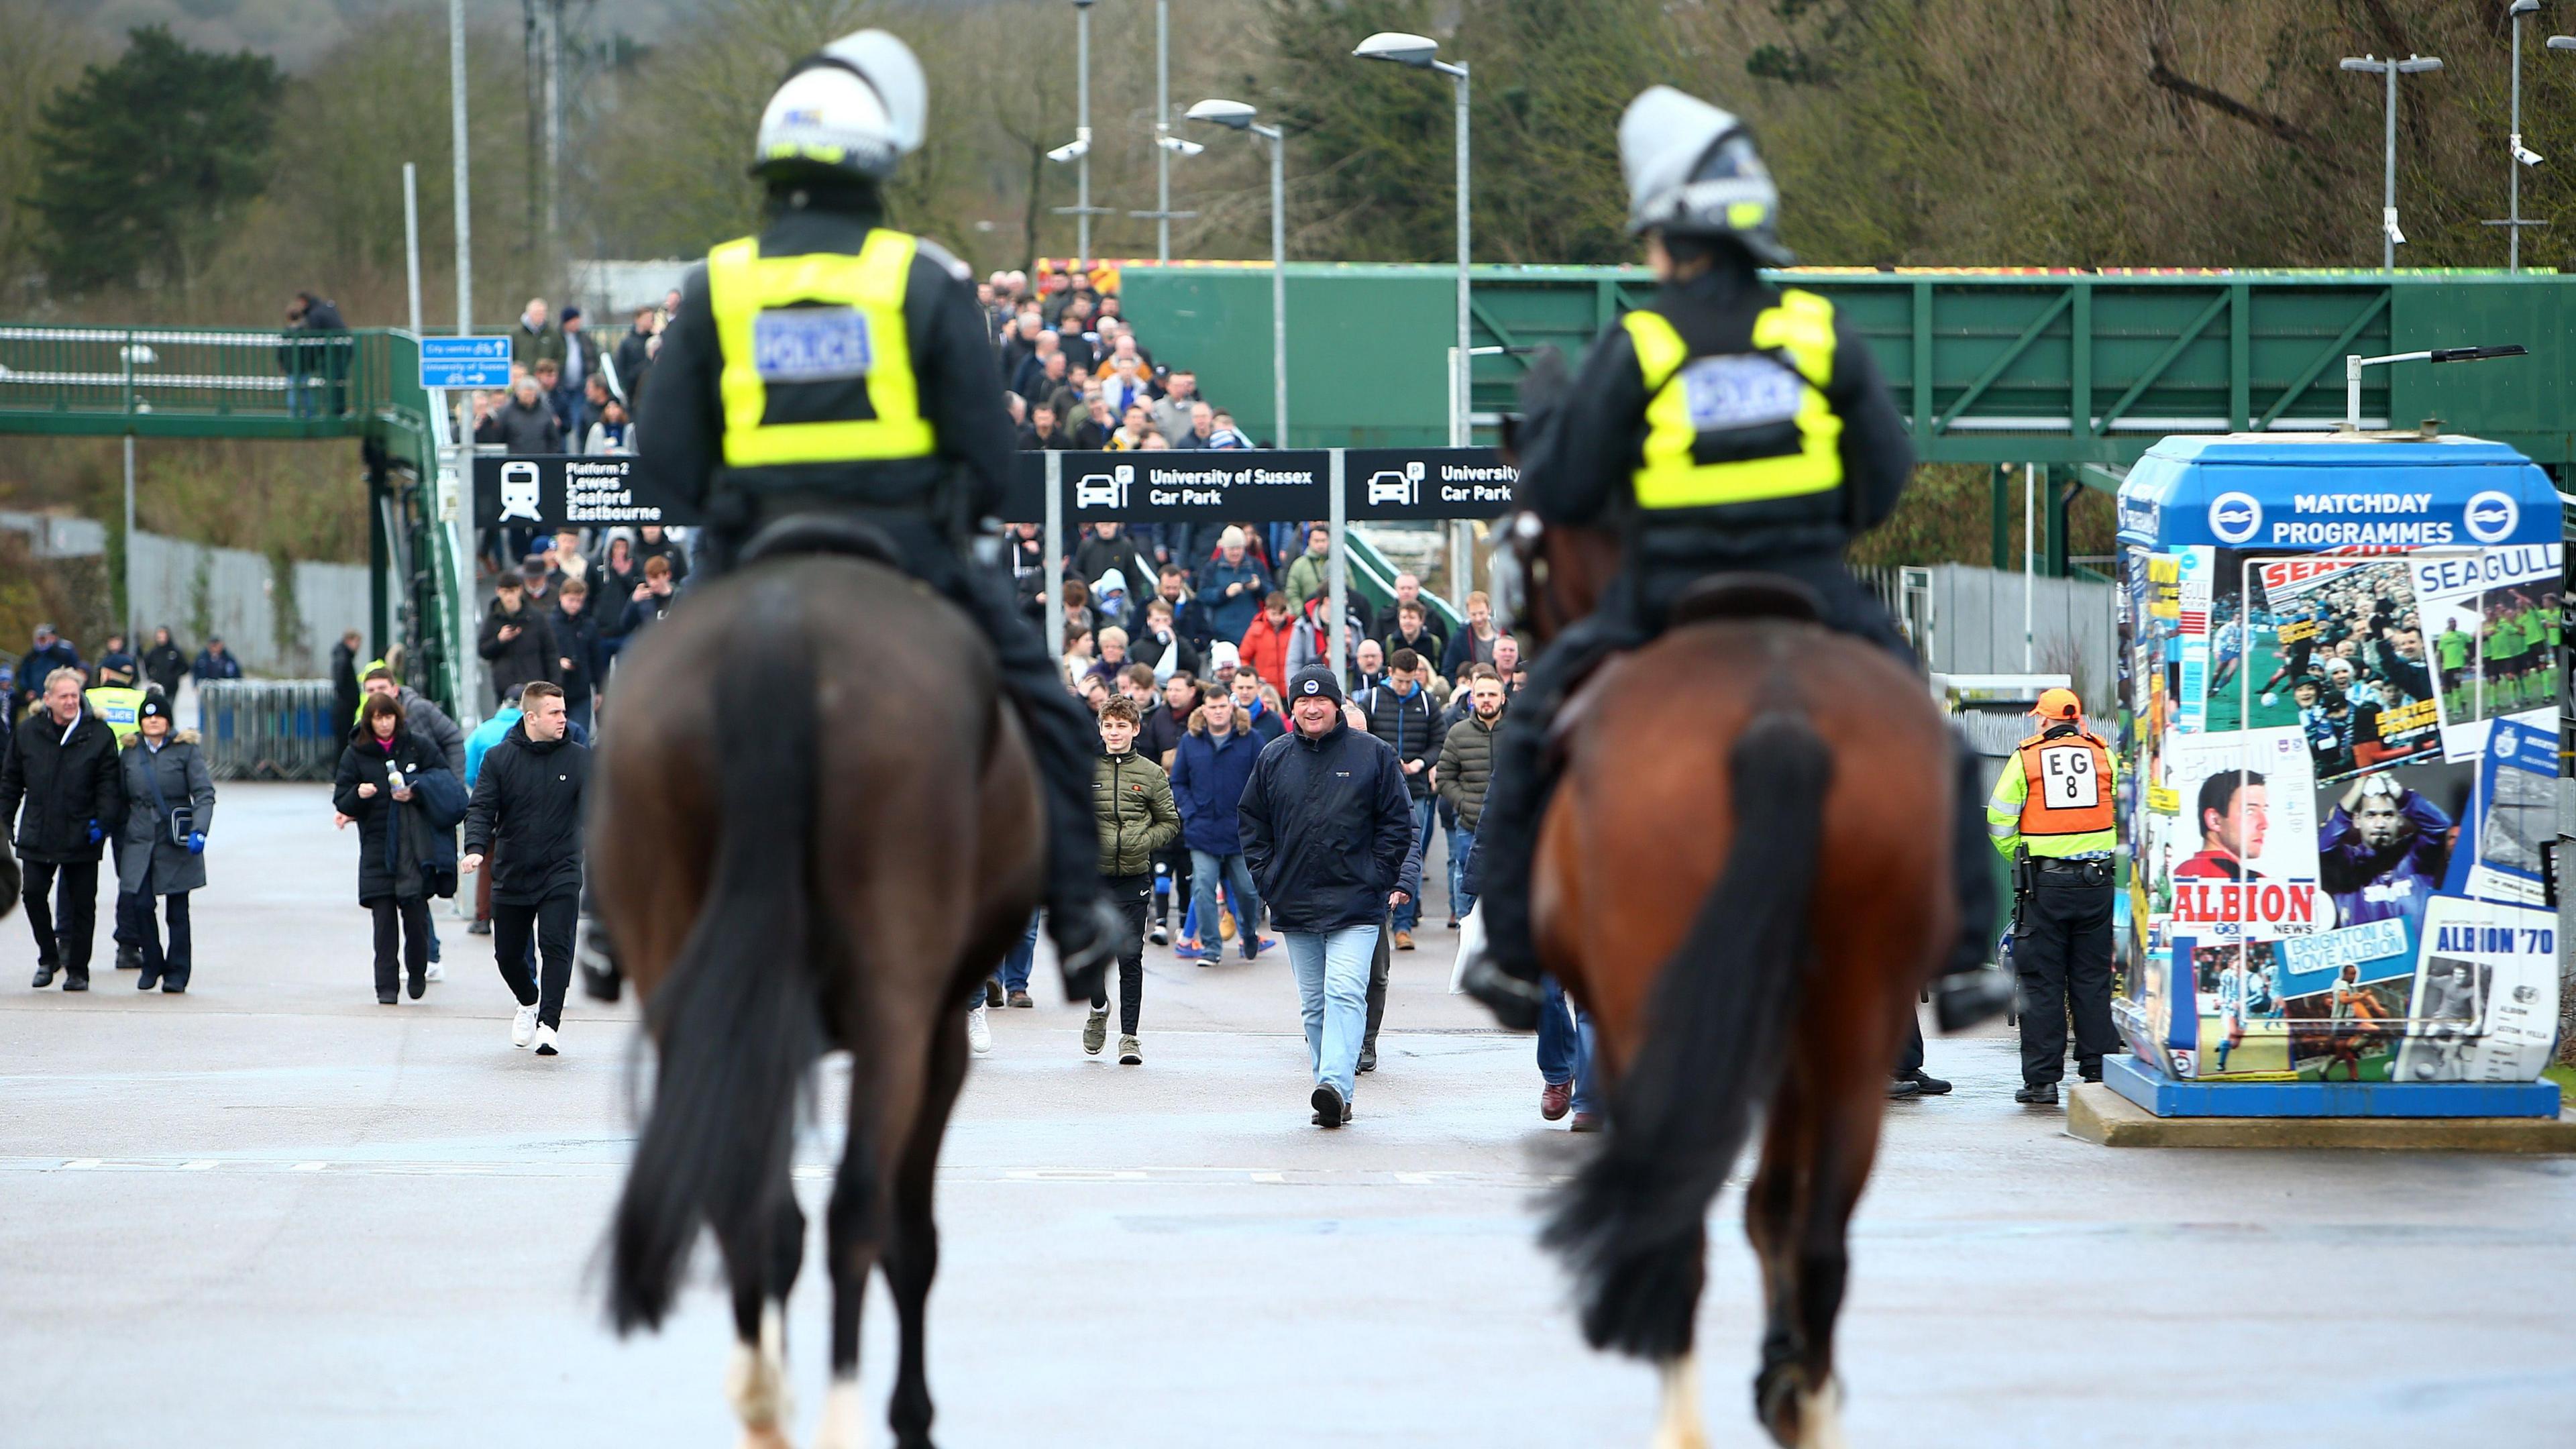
(59, 790)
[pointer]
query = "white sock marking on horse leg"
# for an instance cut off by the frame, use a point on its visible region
(1820, 1417)
(756, 1378)
(1678, 1425)
(845, 1417)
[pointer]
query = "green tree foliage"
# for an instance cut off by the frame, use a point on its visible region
(146, 162)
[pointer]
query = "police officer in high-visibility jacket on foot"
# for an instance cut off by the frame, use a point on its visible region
(2051, 815)
(835, 365)
(1727, 425)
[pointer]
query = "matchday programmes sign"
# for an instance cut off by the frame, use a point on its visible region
(1267, 486)
(561, 491)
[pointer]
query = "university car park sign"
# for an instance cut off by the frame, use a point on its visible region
(1267, 485)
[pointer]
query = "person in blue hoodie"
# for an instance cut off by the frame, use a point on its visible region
(1210, 766)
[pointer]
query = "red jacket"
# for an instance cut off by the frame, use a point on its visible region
(1266, 649)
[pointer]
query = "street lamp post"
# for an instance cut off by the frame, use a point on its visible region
(1423, 53)
(1078, 150)
(2520, 156)
(1166, 145)
(2389, 235)
(1236, 116)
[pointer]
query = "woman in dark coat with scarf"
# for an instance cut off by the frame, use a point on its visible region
(165, 776)
(396, 788)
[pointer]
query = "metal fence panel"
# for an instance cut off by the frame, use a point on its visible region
(270, 729)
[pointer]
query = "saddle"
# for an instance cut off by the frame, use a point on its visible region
(1741, 596)
(1746, 595)
(822, 533)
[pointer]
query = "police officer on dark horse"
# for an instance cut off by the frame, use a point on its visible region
(835, 366)
(1726, 426)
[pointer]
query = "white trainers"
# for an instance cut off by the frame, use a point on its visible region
(435, 972)
(546, 1041)
(523, 1027)
(979, 1032)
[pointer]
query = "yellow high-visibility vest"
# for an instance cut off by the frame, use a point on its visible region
(1691, 399)
(821, 317)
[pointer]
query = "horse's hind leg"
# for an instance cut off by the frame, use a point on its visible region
(1829, 1146)
(762, 1274)
(1770, 1215)
(853, 1231)
(912, 1257)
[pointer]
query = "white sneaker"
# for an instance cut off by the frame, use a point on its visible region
(523, 1027)
(435, 972)
(546, 1041)
(1161, 935)
(979, 1032)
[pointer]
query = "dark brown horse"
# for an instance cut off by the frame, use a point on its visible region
(1744, 876)
(816, 826)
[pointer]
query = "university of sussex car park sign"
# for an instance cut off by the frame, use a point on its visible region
(1268, 485)
(1385, 484)
(561, 491)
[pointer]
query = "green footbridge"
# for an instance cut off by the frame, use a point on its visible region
(2079, 372)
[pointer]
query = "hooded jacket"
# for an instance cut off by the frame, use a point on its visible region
(1132, 801)
(1325, 825)
(177, 771)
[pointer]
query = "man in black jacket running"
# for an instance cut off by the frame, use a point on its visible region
(527, 800)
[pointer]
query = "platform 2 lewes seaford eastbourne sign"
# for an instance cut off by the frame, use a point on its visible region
(549, 491)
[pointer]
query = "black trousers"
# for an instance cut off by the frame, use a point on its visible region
(1060, 729)
(1380, 964)
(552, 921)
(166, 962)
(65, 927)
(1133, 895)
(402, 939)
(1173, 865)
(1630, 614)
(2063, 957)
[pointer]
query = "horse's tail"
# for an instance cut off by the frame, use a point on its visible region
(740, 1018)
(1630, 1225)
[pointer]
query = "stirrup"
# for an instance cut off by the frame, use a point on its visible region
(1963, 1000)
(1083, 958)
(1515, 1003)
(602, 979)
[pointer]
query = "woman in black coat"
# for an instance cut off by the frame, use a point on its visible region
(396, 788)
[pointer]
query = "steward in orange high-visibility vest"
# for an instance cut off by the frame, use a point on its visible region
(2052, 812)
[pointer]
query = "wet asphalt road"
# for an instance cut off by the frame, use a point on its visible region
(274, 1213)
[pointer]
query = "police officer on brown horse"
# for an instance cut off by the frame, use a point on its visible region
(835, 366)
(1727, 426)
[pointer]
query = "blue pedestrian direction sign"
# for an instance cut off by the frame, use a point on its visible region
(465, 362)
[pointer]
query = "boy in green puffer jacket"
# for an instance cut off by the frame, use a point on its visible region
(1131, 797)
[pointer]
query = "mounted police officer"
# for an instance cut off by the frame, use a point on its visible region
(834, 365)
(1728, 425)
(2052, 815)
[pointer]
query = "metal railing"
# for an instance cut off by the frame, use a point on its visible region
(320, 382)
(271, 729)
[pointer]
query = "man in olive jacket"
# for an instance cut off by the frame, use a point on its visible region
(59, 785)
(1466, 763)
(1132, 798)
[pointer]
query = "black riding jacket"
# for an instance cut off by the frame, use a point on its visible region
(680, 458)
(1584, 451)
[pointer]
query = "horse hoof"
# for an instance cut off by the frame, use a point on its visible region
(772, 1437)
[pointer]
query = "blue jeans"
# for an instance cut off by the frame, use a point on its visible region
(1425, 810)
(1461, 840)
(1014, 970)
(1332, 990)
(1204, 869)
(1565, 1042)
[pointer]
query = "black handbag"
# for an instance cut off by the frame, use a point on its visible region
(182, 822)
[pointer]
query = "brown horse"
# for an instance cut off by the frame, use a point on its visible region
(816, 826)
(1744, 876)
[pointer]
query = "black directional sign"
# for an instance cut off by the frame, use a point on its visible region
(553, 490)
(1426, 483)
(1213, 485)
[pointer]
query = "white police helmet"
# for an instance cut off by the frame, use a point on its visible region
(853, 108)
(1692, 171)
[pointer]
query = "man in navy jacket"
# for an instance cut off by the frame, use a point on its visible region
(1326, 825)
